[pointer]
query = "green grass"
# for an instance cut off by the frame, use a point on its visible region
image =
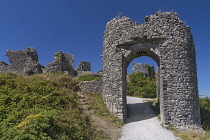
(191, 135)
(107, 124)
(43, 107)
(205, 112)
(96, 103)
(87, 78)
(140, 86)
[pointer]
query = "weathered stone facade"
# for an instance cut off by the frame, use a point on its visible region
(22, 62)
(26, 62)
(147, 70)
(62, 62)
(84, 66)
(91, 86)
(169, 42)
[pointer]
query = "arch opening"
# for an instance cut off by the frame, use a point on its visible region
(142, 61)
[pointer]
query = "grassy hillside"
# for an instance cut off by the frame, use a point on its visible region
(42, 107)
(47, 107)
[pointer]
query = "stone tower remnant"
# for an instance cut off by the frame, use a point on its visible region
(22, 62)
(169, 42)
(84, 66)
(62, 62)
(147, 70)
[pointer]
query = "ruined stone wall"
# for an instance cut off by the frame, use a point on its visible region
(84, 66)
(69, 60)
(143, 68)
(62, 62)
(91, 86)
(165, 39)
(26, 62)
(22, 62)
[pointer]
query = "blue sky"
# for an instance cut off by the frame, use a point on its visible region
(77, 26)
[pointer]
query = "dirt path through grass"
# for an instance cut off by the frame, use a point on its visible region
(106, 129)
(142, 123)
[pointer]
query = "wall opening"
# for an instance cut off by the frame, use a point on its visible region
(142, 60)
(140, 85)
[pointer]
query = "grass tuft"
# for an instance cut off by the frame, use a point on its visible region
(96, 103)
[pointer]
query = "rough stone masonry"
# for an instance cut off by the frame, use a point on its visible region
(147, 70)
(84, 66)
(22, 62)
(169, 42)
(62, 62)
(26, 62)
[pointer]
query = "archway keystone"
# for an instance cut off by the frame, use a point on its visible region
(165, 39)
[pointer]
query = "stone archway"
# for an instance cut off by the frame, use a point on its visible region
(169, 42)
(136, 53)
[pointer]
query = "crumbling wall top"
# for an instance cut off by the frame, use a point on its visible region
(84, 66)
(160, 26)
(20, 57)
(22, 62)
(62, 62)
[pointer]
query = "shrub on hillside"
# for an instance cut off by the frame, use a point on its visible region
(205, 112)
(141, 86)
(41, 107)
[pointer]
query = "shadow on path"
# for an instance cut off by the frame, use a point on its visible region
(142, 123)
(139, 111)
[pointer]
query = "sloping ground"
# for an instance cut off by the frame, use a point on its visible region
(142, 123)
(44, 107)
(104, 124)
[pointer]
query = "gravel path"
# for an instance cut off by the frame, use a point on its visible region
(142, 123)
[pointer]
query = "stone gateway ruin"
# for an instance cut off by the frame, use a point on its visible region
(169, 42)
